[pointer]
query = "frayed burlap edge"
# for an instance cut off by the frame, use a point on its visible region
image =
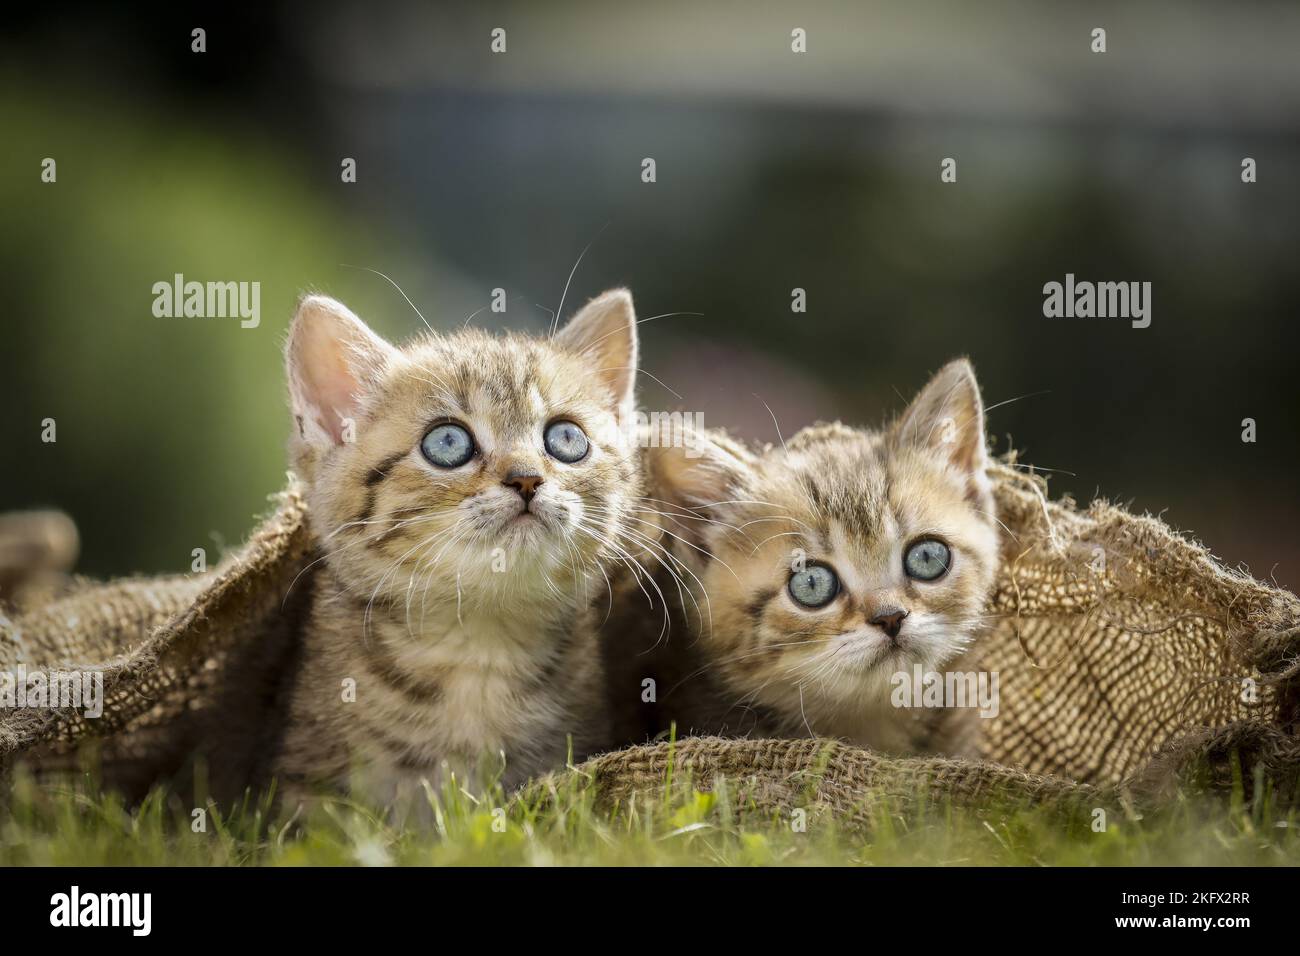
(199, 616)
(771, 779)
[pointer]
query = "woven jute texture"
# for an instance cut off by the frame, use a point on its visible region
(769, 779)
(1129, 660)
(191, 664)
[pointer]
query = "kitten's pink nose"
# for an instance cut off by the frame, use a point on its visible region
(889, 620)
(525, 484)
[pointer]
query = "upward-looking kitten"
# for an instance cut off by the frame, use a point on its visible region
(464, 491)
(832, 563)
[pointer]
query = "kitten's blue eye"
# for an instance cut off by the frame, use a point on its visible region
(566, 441)
(447, 445)
(927, 560)
(814, 586)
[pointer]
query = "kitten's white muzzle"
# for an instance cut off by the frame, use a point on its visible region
(867, 649)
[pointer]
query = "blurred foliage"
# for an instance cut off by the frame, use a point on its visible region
(225, 166)
(170, 431)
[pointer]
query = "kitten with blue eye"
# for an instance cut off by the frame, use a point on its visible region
(826, 566)
(465, 491)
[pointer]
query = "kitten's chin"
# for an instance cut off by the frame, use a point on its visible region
(528, 532)
(524, 526)
(870, 656)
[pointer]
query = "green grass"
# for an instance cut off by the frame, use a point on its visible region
(78, 825)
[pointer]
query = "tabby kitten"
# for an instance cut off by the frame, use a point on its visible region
(463, 490)
(830, 564)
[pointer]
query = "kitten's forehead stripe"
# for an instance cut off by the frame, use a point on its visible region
(461, 389)
(845, 480)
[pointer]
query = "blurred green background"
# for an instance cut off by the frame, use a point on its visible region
(774, 171)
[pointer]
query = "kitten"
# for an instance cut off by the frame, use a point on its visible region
(464, 491)
(830, 564)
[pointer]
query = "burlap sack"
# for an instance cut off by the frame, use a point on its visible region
(1129, 661)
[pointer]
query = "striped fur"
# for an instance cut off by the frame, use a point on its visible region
(463, 625)
(757, 662)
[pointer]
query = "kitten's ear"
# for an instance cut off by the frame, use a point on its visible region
(604, 332)
(333, 359)
(948, 417)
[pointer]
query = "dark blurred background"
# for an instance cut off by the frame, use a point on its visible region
(775, 170)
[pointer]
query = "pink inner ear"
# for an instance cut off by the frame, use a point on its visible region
(963, 451)
(330, 387)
